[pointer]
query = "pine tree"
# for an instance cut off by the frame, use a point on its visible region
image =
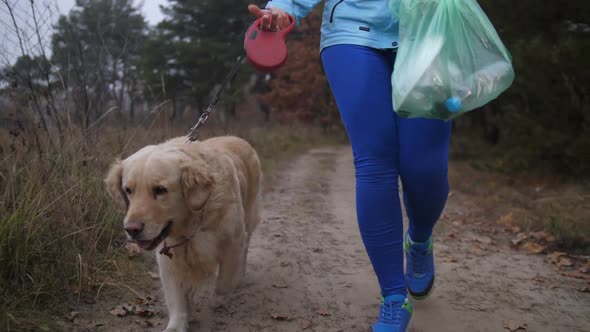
(203, 39)
(96, 47)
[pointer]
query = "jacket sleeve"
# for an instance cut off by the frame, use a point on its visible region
(298, 8)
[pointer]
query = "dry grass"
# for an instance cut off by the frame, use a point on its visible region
(534, 201)
(61, 240)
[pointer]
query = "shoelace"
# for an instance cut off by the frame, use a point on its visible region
(418, 261)
(391, 312)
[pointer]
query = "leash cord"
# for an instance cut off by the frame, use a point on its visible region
(192, 135)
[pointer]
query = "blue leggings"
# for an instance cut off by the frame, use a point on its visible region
(386, 147)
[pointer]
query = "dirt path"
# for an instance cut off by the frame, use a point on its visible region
(308, 269)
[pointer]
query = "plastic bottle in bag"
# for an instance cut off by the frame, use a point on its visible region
(484, 82)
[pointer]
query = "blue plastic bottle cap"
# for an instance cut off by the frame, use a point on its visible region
(453, 104)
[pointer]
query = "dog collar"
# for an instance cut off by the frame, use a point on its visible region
(166, 249)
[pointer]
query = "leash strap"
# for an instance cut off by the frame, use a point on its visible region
(192, 135)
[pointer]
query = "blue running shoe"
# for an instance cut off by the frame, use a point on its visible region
(419, 267)
(395, 314)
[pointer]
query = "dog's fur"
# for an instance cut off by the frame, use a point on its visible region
(211, 197)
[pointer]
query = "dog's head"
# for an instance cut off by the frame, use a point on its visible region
(158, 189)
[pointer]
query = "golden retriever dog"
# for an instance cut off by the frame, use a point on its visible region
(197, 204)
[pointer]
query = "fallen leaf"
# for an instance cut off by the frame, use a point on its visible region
(585, 268)
(448, 259)
(144, 312)
(144, 300)
(304, 324)
(505, 220)
(72, 315)
(512, 325)
(515, 229)
(541, 235)
(584, 289)
(154, 275)
(565, 262)
(128, 307)
(459, 222)
(132, 249)
(279, 316)
(484, 239)
(219, 308)
(144, 323)
(478, 251)
(555, 256)
(279, 285)
(323, 312)
(575, 274)
(118, 311)
(533, 248)
(519, 238)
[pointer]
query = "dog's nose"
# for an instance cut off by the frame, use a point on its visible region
(134, 228)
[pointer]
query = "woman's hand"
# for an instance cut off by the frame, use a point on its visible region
(273, 19)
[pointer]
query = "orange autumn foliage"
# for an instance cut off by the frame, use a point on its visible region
(299, 91)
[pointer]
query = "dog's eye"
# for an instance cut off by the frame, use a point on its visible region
(127, 190)
(160, 190)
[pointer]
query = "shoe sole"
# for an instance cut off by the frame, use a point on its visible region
(420, 297)
(408, 327)
(425, 296)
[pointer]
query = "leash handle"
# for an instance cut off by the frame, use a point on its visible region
(267, 50)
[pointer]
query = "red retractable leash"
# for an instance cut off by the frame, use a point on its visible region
(267, 50)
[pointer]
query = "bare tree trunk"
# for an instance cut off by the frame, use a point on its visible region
(29, 79)
(81, 72)
(123, 82)
(51, 100)
(132, 103)
(174, 110)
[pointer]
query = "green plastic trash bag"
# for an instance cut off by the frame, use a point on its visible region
(450, 59)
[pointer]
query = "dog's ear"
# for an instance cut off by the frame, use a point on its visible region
(197, 183)
(113, 183)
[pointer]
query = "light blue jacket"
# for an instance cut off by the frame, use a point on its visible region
(360, 22)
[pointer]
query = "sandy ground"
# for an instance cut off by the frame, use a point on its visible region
(308, 270)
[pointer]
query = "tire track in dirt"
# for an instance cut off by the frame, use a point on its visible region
(304, 263)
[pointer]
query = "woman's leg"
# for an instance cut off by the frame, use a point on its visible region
(360, 79)
(423, 155)
(424, 148)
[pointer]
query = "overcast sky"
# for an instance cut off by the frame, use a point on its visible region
(9, 47)
(150, 8)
